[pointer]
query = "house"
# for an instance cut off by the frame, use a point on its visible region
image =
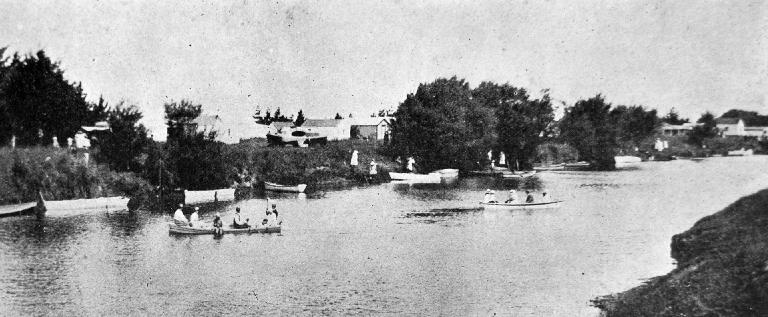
(675, 130)
(335, 129)
(372, 128)
(278, 126)
(211, 123)
(761, 133)
(730, 126)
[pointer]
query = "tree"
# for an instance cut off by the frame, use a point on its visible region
(750, 118)
(431, 125)
(338, 116)
(34, 97)
(300, 119)
(674, 118)
(522, 125)
(706, 129)
(124, 148)
(179, 115)
(588, 127)
(635, 124)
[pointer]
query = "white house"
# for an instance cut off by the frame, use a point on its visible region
(213, 123)
(373, 128)
(335, 129)
(730, 126)
(674, 130)
(759, 132)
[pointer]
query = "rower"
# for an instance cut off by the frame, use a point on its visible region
(490, 197)
(194, 218)
(528, 197)
(238, 222)
(545, 198)
(218, 225)
(277, 220)
(178, 217)
(512, 197)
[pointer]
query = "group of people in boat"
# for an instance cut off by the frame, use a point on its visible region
(271, 219)
(513, 198)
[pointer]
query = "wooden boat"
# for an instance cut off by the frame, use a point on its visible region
(741, 152)
(555, 167)
(17, 209)
(285, 188)
(79, 206)
(518, 175)
(447, 172)
(192, 197)
(626, 160)
(174, 229)
(431, 178)
(515, 206)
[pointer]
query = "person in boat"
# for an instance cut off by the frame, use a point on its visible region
(490, 197)
(276, 221)
(194, 218)
(410, 165)
(178, 217)
(238, 222)
(218, 225)
(545, 198)
(528, 197)
(513, 199)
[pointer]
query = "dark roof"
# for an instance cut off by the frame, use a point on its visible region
(318, 123)
(727, 120)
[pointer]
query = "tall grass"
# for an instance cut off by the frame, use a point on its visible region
(60, 174)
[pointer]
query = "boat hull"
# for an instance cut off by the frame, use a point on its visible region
(80, 206)
(192, 197)
(505, 206)
(283, 188)
(431, 178)
(174, 229)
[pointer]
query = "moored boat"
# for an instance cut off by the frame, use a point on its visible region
(285, 188)
(431, 178)
(17, 209)
(510, 206)
(79, 206)
(555, 167)
(174, 229)
(192, 197)
(519, 175)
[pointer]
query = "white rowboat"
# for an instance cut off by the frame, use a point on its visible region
(515, 206)
(285, 188)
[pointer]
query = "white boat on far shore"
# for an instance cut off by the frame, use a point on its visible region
(431, 178)
(516, 206)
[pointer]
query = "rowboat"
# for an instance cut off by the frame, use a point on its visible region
(510, 206)
(556, 167)
(79, 206)
(447, 172)
(192, 197)
(519, 175)
(17, 210)
(431, 178)
(285, 188)
(174, 229)
(626, 160)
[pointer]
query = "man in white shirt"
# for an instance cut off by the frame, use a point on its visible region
(178, 217)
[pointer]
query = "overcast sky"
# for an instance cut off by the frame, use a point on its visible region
(360, 56)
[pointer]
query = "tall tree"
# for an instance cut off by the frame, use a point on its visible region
(706, 129)
(674, 118)
(300, 119)
(635, 124)
(522, 125)
(37, 98)
(124, 148)
(179, 115)
(588, 127)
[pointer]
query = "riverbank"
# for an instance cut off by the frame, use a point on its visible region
(60, 174)
(722, 269)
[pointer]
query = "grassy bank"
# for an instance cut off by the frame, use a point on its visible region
(319, 167)
(60, 174)
(722, 269)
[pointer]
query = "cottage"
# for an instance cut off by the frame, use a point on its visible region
(730, 126)
(211, 123)
(335, 129)
(278, 127)
(372, 128)
(675, 130)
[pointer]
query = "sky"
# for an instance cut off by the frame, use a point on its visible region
(328, 57)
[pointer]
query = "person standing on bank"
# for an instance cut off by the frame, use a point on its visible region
(353, 161)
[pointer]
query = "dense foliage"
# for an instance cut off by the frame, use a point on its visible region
(589, 127)
(674, 118)
(706, 129)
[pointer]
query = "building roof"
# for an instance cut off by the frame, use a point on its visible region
(372, 120)
(321, 123)
(727, 120)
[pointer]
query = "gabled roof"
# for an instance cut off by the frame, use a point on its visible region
(281, 124)
(727, 120)
(321, 123)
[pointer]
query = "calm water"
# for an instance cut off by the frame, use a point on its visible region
(377, 250)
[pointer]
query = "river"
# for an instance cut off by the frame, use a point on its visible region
(386, 249)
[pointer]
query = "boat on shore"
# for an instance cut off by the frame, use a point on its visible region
(285, 188)
(516, 206)
(192, 197)
(553, 167)
(431, 178)
(742, 152)
(175, 229)
(17, 209)
(48, 208)
(518, 175)
(626, 160)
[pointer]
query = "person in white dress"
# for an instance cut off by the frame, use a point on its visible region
(513, 199)
(353, 161)
(178, 217)
(409, 166)
(194, 218)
